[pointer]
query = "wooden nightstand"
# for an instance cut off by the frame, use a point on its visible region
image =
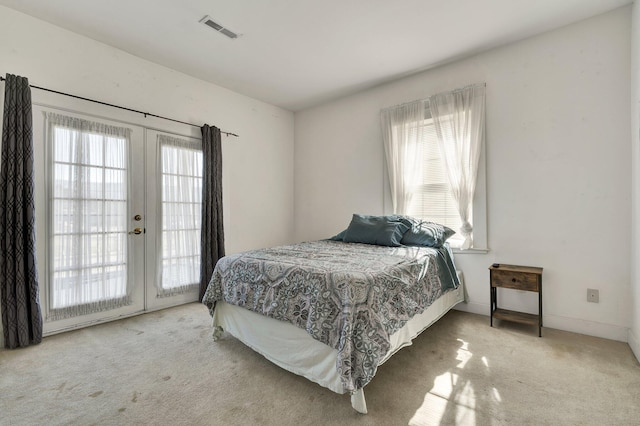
(526, 278)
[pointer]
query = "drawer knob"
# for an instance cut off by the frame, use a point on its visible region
(513, 280)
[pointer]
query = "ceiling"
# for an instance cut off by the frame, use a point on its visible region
(299, 53)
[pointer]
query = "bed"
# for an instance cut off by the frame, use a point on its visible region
(332, 311)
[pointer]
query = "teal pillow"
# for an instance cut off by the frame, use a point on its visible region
(424, 233)
(378, 230)
(407, 220)
(339, 236)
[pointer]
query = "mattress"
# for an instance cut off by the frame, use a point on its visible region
(350, 297)
(292, 349)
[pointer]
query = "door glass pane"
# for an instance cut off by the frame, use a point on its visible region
(181, 204)
(88, 271)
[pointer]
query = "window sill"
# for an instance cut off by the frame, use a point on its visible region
(470, 251)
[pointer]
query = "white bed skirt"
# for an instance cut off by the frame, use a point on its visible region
(294, 350)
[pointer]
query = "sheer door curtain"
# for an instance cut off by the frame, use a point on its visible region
(181, 206)
(88, 221)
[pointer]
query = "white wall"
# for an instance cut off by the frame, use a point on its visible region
(558, 169)
(258, 166)
(634, 331)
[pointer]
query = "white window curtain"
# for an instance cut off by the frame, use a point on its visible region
(402, 134)
(180, 189)
(88, 216)
(459, 119)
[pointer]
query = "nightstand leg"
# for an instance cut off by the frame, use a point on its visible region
(492, 306)
(539, 306)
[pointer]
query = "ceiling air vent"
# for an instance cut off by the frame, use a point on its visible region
(208, 22)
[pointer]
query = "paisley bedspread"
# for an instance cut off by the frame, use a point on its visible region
(349, 296)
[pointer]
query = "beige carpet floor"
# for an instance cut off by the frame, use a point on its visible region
(163, 368)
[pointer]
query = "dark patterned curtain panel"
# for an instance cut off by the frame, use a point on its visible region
(21, 315)
(212, 230)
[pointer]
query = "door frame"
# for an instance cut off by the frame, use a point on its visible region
(44, 101)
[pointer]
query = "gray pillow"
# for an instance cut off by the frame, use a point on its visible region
(378, 230)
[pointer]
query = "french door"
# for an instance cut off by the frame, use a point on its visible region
(174, 199)
(114, 214)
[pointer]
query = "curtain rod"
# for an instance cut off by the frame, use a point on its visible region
(426, 99)
(146, 114)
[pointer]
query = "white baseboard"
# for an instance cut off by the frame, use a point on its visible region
(473, 308)
(634, 343)
(590, 328)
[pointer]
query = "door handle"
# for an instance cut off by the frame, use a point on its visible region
(137, 231)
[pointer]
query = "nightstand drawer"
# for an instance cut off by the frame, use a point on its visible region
(515, 280)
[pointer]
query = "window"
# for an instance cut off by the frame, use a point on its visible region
(432, 199)
(420, 173)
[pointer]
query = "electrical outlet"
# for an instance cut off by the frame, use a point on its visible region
(593, 295)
